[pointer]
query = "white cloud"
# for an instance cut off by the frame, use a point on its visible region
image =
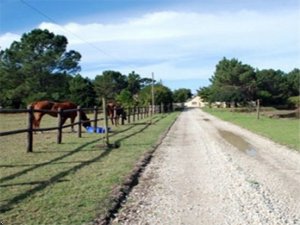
(171, 25)
(7, 39)
(179, 45)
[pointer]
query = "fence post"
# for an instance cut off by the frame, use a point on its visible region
(59, 123)
(122, 119)
(129, 114)
(257, 108)
(138, 113)
(106, 137)
(79, 121)
(134, 110)
(115, 116)
(95, 118)
(151, 113)
(30, 131)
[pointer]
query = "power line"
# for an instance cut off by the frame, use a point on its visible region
(66, 30)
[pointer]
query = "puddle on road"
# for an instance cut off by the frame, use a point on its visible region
(238, 142)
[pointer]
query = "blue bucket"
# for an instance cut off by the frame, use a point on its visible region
(97, 130)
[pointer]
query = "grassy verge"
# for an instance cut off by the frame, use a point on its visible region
(284, 131)
(70, 183)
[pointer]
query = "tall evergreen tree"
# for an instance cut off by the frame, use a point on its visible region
(29, 66)
(272, 87)
(82, 91)
(110, 84)
(293, 81)
(233, 82)
(182, 94)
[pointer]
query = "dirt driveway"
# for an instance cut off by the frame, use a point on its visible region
(208, 171)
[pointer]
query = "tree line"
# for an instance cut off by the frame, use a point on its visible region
(40, 67)
(234, 82)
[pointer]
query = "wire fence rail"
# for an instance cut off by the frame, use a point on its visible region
(99, 114)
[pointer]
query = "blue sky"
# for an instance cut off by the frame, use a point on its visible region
(179, 41)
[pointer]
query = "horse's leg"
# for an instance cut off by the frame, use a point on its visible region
(37, 117)
(63, 120)
(116, 120)
(112, 120)
(72, 118)
(115, 116)
(34, 121)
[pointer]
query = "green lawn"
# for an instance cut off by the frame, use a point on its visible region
(284, 131)
(72, 182)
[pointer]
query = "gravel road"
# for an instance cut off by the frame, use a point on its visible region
(207, 171)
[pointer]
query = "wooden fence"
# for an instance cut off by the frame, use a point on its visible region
(133, 114)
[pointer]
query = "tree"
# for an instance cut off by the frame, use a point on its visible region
(134, 83)
(182, 95)
(28, 66)
(82, 91)
(205, 93)
(110, 84)
(293, 81)
(146, 82)
(162, 95)
(272, 87)
(233, 82)
(237, 82)
(125, 98)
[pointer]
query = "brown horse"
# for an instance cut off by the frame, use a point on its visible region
(115, 112)
(51, 108)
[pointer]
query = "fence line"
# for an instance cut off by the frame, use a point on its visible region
(135, 113)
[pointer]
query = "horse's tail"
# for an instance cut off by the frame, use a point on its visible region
(33, 119)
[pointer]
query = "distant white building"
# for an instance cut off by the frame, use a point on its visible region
(195, 102)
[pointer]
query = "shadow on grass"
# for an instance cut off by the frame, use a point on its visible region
(68, 153)
(41, 185)
(144, 124)
(20, 173)
(31, 183)
(57, 178)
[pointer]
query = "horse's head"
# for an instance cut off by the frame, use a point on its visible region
(85, 120)
(86, 123)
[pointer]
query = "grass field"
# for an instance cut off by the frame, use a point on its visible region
(283, 131)
(72, 182)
